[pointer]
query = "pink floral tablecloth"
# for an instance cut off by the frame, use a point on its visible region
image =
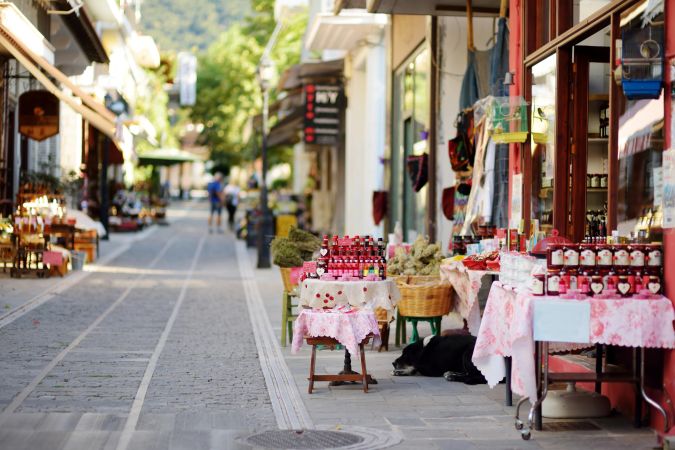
(507, 330)
(361, 294)
(348, 328)
(465, 287)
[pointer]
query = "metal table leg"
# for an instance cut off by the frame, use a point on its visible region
(648, 399)
(508, 401)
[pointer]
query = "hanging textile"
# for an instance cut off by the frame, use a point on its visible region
(476, 81)
(473, 205)
(448, 202)
(500, 201)
(500, 56)
(418, 170)
(380, 205)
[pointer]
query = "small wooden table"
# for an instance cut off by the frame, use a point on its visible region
(347, 374)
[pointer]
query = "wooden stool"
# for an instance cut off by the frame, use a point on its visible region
(401, 331)
(89, 248)
(287, 316)
(345, 376)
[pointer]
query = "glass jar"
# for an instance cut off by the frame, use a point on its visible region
(555, 257)
(604, 256)
(587, 255)
(621, 256)
(604, 180)
(596, 286)
(595, 180)
(537, 284)
(553, 282)
(571, 255)
(623, 286)
(654, 255)
(654, 284)
(636, 254)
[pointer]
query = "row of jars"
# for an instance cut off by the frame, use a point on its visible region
(604, 256)
(595, 282)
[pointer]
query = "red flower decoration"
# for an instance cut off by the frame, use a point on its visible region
(318, 295)
(325, 301)
(339, 292)
(332, 298)
(327, 294)
(365, 289)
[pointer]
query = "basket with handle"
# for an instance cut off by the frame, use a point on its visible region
(424, 297)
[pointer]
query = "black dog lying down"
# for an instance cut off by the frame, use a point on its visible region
(435, 356)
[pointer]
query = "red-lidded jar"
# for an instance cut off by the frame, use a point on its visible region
(553, 282)
(654, 284)
(555, 256)
(653, 255)
(621, 256)
(636, 254)
(587, 256)
(604, 256)
(571, 255)
(623, 286)
(538, 286)
(596, 285)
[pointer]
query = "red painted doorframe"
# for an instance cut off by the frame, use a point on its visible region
(669, 235)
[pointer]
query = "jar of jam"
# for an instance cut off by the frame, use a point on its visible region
(603, 256)
(654, 284)
(623, 286)
(636, 254)
(587, 255)
(621, 256)
(603, 181)
(597, 286)
(555, 256)
(571, 255)
(537, 284)
(553, 282)
(654, 255)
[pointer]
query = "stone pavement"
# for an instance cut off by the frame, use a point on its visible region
(153, 350)
(430, 413)
(172, 343)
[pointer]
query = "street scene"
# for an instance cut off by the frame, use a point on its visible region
(337, 224)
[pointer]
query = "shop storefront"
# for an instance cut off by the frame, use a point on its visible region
(596, 80)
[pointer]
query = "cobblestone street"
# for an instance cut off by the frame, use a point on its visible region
(172, 341)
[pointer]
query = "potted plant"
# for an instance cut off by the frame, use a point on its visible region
(290, 252)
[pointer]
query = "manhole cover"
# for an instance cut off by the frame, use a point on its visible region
(297, 439)
(569, 426)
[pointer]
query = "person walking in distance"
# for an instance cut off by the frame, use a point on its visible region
(231, 202)
(215, 190)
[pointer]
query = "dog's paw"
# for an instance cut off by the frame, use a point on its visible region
(454, 376)
(399, 372)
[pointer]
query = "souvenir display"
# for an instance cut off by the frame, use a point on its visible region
(348, 258)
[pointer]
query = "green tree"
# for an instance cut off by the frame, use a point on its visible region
(228, 94)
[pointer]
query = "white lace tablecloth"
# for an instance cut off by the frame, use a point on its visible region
(348, 328)
(465, 287)
(360, 294)
(507, 330)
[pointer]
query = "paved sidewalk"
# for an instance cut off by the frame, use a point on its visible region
(430, 413)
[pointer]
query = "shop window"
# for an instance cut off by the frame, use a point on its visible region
(410, 125)
(543, 140)
(640, 175)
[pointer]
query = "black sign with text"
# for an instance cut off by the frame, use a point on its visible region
(323, 109)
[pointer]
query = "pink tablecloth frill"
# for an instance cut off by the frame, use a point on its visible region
(507, 330)
(349, 328)
(360, 294)
(465, 287)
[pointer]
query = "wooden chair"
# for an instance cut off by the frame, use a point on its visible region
(287, 305)
(332, 343)
(87, 241)
(383, 322)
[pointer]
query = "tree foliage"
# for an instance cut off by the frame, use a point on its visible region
(228, 94)
(190, 24)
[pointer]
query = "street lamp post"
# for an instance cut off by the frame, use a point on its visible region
(265, 224)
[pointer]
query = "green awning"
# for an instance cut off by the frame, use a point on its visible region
(166, 157)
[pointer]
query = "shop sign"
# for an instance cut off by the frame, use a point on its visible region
(323, 108)
(38, 115)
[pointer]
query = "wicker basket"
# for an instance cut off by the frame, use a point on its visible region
(424, 297)
(286, 278)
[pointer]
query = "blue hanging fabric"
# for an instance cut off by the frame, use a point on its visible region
(499, 65)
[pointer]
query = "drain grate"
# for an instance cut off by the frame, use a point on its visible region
(304, 439)
(570, 426)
